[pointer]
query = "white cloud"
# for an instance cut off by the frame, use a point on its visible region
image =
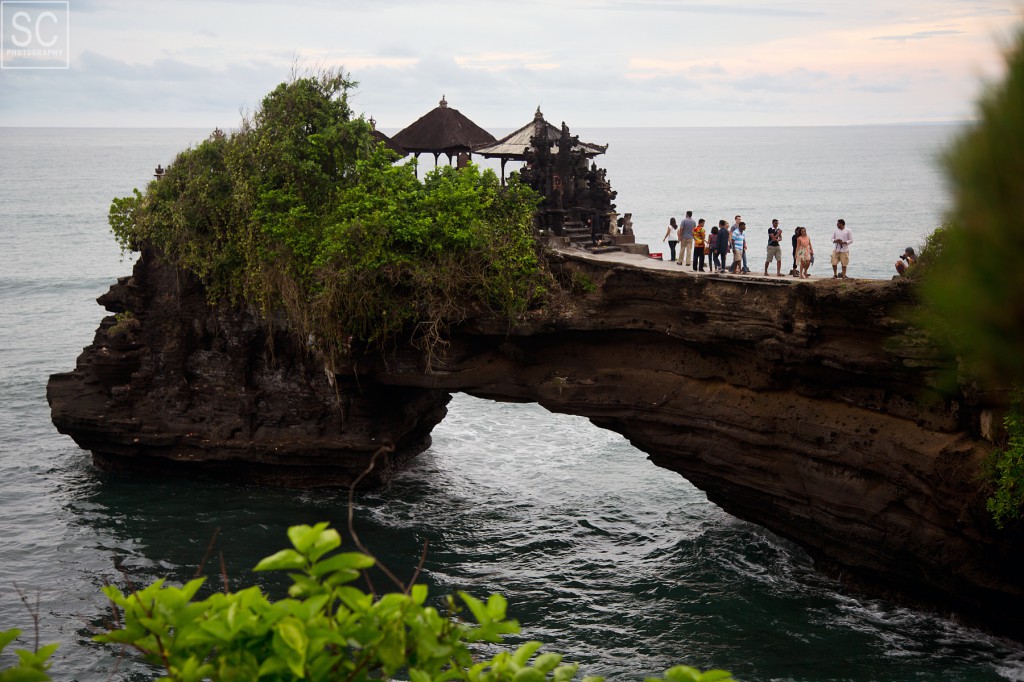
(920, 35)
(589, 62)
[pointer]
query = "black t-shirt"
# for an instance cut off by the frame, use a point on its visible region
(774, 235)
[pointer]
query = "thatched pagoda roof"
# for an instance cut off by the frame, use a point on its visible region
(516, 144)
(442, 130)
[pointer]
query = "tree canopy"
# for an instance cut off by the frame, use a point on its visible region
(974, 287)
(303, 211)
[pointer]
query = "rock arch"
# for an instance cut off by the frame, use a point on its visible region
(813, 409)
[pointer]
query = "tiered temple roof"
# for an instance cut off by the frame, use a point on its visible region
(516, 145)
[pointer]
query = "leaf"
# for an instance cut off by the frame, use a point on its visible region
(497, 606)
(303, 537)
(325, 541)
(271, 666)
(308, 609)
(292, 633)
(340, 577)
(525, 652)
(217, 628)
(476, 607)
(354, 598)
(564, 673)
(285, 560)
(716, 676)
(188, 591)
(528, 675)
(303, 586)
(348, 560)
(22, 674)
(8, 636)
(682, 673)
(547, 662)
(391, 648)
(417, 675)
(46, 651)
(418, 594)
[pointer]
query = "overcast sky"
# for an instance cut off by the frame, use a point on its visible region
(589, 63)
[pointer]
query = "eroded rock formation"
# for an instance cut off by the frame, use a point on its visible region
(811, 408)
(171, 383)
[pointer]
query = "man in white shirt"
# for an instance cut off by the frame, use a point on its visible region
(841, 240)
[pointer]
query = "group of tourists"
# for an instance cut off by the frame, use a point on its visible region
(699, 248)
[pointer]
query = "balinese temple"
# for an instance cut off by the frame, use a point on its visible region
(442, 130)
(516, 146)
(576, 197)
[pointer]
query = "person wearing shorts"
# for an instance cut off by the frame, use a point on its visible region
(774, 247)
(739, 247)
(841, 240)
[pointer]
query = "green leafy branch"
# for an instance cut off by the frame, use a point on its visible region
(328, 629)
(32, 666)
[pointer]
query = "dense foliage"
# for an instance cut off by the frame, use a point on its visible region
(1007, 468)
(976, 292)
(302, 211)
(971, 292)
(328, 629)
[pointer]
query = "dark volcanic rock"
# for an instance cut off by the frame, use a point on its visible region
(811, 408)
(196, 389)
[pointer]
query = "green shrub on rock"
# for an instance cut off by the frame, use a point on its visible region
(1007, 468)
(301, 211)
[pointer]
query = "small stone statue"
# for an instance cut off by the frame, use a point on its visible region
(627, 223)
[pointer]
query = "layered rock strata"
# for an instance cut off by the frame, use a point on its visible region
(171, 383)
(811, 408)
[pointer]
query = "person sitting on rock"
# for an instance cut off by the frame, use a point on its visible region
(908, 259)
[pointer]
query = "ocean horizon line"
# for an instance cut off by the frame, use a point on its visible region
(510, 127)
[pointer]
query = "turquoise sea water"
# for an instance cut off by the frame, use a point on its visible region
(620, 565)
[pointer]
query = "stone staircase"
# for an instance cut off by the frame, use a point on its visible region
(578, 235)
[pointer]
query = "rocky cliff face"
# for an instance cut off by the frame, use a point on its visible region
(810, 408)
(173, 384)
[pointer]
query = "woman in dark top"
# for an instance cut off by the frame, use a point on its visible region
(724, 243)
(713, 248)
(795, 271)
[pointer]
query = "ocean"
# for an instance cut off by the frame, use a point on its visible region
(622, 566)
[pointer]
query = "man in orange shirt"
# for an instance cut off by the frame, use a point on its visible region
(698, 246)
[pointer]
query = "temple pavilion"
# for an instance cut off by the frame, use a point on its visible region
(442, 130)
(519, 145)
(576, 198)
